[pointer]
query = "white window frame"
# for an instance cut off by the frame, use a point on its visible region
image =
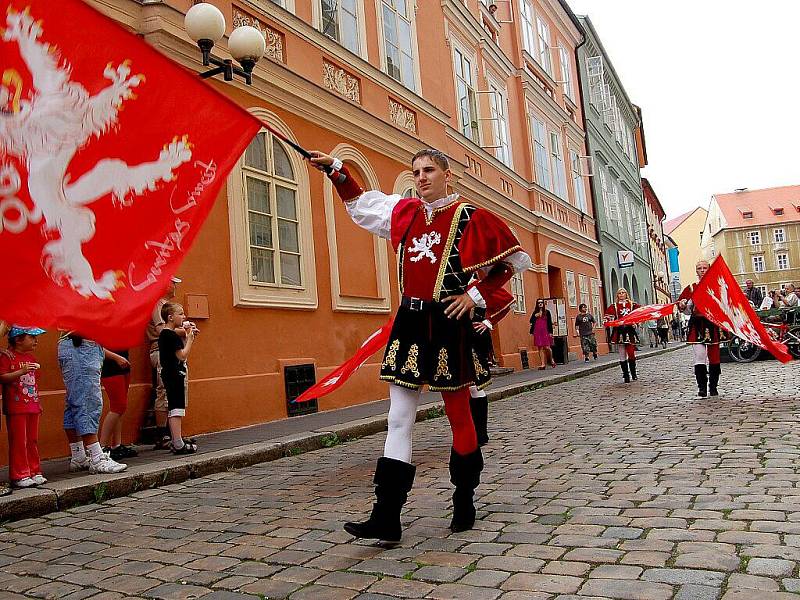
(583, 288)
(245, 292)
(782, 257)
(527, 14)
(518, 291)
(779, 235)
(498, 107)
(597, 307)
(467, 62)
(360, 34)
(595, 71)
(567, 81)
(557, 166)
(541, 153)
(754, 237)
(409, 80)
(758, 261)
(544, 56)
(579, 189)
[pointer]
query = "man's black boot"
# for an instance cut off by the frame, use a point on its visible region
(479, 407)
(632, 367)
(393, 481)
(714, 372)
(701, 375)
(465, 474)
(625, 375)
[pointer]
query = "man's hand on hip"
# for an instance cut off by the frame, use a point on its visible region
(458, 306)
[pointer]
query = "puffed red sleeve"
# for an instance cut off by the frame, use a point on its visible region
(611, 313)
(486, 240)
(686, 293)
(492, 284)
(498, 304)
(346, 186)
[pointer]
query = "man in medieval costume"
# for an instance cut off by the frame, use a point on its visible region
(624, 336)
(442, 242)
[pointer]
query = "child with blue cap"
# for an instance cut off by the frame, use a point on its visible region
(18, 374)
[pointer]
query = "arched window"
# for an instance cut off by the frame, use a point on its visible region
(270, 187)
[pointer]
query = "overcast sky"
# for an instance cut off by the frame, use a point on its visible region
(718, 82)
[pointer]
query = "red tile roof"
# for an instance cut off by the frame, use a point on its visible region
(765, 206)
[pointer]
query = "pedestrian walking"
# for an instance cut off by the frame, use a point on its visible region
(441, 242)
(663, 331)
(584, 327)
(704, 338)
(652, 332)
(542, 331)
(19, 369)
(624, 336)
(174, 351)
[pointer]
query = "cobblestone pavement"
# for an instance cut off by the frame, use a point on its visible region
(593, 489)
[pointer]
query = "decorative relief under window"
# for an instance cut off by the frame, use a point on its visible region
(340, 81)
(402, 116)
(273, 37)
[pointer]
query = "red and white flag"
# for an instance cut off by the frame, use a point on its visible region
(336, 378)
(111, 157)
(720, 300)
(651, 312)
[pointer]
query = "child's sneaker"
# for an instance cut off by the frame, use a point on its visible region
(78, 465)
(106, 465)
(25, 482)
(39, 479)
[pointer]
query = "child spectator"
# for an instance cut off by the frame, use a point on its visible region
(584, 325)
(21, 406)
(115, 375)
(173, 352)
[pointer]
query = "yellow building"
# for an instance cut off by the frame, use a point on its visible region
(686, 230)
(758, 234)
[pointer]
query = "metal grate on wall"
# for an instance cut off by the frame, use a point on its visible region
(297, 379)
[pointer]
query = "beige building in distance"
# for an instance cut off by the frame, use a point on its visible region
(757, 232)
(686, 231)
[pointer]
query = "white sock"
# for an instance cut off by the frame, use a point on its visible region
(179, 444)
(78, 452)
(95, 452)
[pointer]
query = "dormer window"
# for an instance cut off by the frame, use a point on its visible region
(747, 214)
(777, 210)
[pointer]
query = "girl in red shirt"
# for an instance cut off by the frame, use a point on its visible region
(18, 370)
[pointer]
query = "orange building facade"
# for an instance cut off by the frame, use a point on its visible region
(279, 276)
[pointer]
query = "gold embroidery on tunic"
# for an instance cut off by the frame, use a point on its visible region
(411, 361)
(391, 356)
(442, 370)
(479, 370)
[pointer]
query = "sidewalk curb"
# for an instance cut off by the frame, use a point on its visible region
(68, 493)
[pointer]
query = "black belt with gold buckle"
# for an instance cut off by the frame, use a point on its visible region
(416, 304)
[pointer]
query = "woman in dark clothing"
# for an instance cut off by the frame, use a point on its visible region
(542, 332)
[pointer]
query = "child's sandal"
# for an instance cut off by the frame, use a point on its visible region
(185, 449)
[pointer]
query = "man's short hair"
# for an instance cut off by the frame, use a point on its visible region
(436, 156)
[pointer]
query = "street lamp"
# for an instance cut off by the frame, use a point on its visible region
(205, 24)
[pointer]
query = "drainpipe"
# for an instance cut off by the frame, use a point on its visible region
(591, 179)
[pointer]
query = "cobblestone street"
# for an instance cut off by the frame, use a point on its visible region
(592, 489)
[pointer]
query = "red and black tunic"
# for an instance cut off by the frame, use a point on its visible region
(700, 329)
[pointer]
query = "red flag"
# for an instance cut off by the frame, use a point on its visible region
(720, 300)
(336, 378)
(111, 157)
(642, 314)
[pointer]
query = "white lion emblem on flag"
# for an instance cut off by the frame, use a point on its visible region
(45, 132)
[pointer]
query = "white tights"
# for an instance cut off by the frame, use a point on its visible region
(700, 352)
(403, 404)
(474, 392)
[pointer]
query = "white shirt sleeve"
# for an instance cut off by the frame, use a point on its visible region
(373, 211)
(476, 297)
